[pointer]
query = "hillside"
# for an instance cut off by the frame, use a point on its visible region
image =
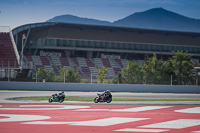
(156, 18)
(161, 19)
(78, 20)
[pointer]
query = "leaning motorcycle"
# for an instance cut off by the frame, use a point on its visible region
(101, 98)
(57, 98)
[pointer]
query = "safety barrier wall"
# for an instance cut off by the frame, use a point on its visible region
(98, 87)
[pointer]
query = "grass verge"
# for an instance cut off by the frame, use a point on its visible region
(87, 99)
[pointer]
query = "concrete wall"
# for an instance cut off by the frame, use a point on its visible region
(98, 87)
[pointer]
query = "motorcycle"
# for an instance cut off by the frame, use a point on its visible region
(57, 98)
(101, 98)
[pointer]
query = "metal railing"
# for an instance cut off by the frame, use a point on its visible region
(15, 47)
(4, 29)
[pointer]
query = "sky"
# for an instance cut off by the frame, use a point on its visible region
(14, 13)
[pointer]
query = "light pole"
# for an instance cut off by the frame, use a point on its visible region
(36, 77)
(22, 51)
(8, 71)
(197, 79)
(64, 77)
(2, 69)
(171, 79)
(22, 54)
(91, 78)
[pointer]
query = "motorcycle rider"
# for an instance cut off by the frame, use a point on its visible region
(103, 97)
(61, 93)
(57, 94)
(57, 97)
(106, 94)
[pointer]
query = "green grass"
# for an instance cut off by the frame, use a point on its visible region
(114, 99)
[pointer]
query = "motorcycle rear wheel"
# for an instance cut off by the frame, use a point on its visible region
(50, 100)
(61, 100)
(96, 100)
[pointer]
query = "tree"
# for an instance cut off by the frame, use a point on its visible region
(102, 74)
(48, 75)
(132, 73)
(118, 78)
(181, 66)
(68, 74)
(153, 70)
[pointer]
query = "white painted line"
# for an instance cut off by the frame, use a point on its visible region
(144, 108)
(175, 124)
(137, 109)
(99, 122)
(196, 132)
(60, 106)
(107, 121)
(93, 110)
(16, 117)
(141, 130)
(189, 110)
(46, 123)
(45, 107)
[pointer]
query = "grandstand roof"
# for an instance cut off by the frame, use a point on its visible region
(69, 36)
(110, 28)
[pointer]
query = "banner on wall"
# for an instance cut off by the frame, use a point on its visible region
(110, 56)
(50, 54)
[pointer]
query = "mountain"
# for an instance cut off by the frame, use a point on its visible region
(156, 18)
(78, 20)
(160, 19)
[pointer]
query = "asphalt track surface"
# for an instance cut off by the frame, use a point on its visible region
(88, 117)
(53, 118)
(5, 95)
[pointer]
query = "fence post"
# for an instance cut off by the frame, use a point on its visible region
(171, 79)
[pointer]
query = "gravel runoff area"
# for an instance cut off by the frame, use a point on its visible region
(12, 97)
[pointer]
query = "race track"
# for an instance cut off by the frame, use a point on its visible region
(46, 118)
(5, 95)
(88, 117)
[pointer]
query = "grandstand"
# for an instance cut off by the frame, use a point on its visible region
(9, 57)
(54, 45)
(86, 66)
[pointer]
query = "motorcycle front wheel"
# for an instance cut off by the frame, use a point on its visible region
(109, 100)
(61, 100)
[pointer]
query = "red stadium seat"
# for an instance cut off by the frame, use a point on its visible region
(7, 54)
